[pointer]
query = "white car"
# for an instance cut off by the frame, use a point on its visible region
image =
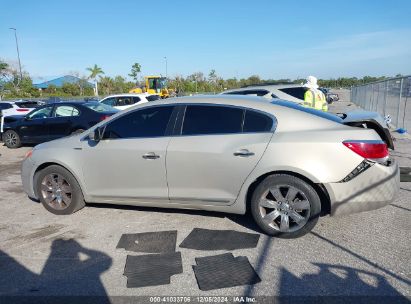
(124, 101)
(12, 108)
(290, 92)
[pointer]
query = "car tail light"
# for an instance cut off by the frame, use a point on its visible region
(104, 117)
(28, 154)
(22, 110)
(370, 149)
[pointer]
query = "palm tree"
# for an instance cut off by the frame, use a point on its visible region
(94, 72)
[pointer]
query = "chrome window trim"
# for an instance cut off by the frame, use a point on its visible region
(183, 107)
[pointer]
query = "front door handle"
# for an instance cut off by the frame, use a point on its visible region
(243, 153)
(151, 155)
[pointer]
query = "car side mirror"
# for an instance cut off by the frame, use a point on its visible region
(96, 135)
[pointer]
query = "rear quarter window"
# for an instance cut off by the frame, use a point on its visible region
(257, 122)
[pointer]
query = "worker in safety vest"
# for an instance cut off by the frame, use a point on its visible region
(313, 97)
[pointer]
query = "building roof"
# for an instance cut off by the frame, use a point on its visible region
(58, 82)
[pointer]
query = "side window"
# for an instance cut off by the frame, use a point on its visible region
(202, 119)
(5, 106)
(64, 111)
(41, 113)
(297, 92)
(109, 101)
(124, 101)
(257, 122)
(148, 122)
(136, 99)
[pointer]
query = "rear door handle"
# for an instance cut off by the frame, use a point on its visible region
(243, 152)
(151, 155)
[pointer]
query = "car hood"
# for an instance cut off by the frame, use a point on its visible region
(13, 118)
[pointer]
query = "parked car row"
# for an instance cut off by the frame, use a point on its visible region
(33, 122)
(53, 121)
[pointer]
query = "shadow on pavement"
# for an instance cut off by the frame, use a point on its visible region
(336, 282)
(399, 278)
(70, 270)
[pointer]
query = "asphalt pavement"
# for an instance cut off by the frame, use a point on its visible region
(41, 254)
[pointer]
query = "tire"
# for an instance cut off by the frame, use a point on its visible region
(302, 209)
(56, 180)
(11, 139)
(78, 131)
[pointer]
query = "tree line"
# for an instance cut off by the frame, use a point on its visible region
(14, 86)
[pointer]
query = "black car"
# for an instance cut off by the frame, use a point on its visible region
(53, 121)
(331, 97)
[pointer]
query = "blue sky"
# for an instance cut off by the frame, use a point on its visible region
(273, 39)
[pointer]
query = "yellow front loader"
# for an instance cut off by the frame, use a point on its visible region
(154, 85)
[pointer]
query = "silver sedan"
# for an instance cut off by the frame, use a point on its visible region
(287, 164)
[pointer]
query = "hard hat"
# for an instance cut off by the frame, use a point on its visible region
(311, 82)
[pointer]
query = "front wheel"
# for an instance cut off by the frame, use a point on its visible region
(285, 206)
(12, 139)
(59, 191)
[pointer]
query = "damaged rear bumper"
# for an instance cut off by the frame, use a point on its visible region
(374, 188)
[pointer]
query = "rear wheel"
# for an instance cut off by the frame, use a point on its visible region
(285, 206)
(59, 191)
(12, 139)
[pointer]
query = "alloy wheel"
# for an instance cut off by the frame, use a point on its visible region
(56, 191)
(284, 208)
(11, 139)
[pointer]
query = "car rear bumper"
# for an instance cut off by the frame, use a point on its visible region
(374, 188)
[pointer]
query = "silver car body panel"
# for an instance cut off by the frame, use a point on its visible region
(201, 172)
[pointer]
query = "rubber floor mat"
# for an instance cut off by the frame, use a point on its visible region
(152, 269)
(224, 272)
(205, 239)
(150, 242)
(405, 174)
(215, 259)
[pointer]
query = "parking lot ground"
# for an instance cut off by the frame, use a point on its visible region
(365, 254)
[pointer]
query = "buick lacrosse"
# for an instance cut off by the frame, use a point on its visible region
(286, 164)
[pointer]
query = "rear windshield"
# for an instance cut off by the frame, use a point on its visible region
(297, 92)
(99, 107)
(315, 112)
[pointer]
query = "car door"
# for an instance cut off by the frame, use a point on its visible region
(62, 121)
(128, 164)
(35, 126)
(218, 148)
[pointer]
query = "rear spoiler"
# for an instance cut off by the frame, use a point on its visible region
(384, 133)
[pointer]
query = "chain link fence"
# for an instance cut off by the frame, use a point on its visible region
(387, 97)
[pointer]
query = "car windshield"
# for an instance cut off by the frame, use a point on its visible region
(99, 107)
(315, 112)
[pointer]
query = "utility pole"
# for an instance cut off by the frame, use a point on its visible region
(165, 58)
(18, 53)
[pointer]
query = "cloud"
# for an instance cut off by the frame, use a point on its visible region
(383, 52)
